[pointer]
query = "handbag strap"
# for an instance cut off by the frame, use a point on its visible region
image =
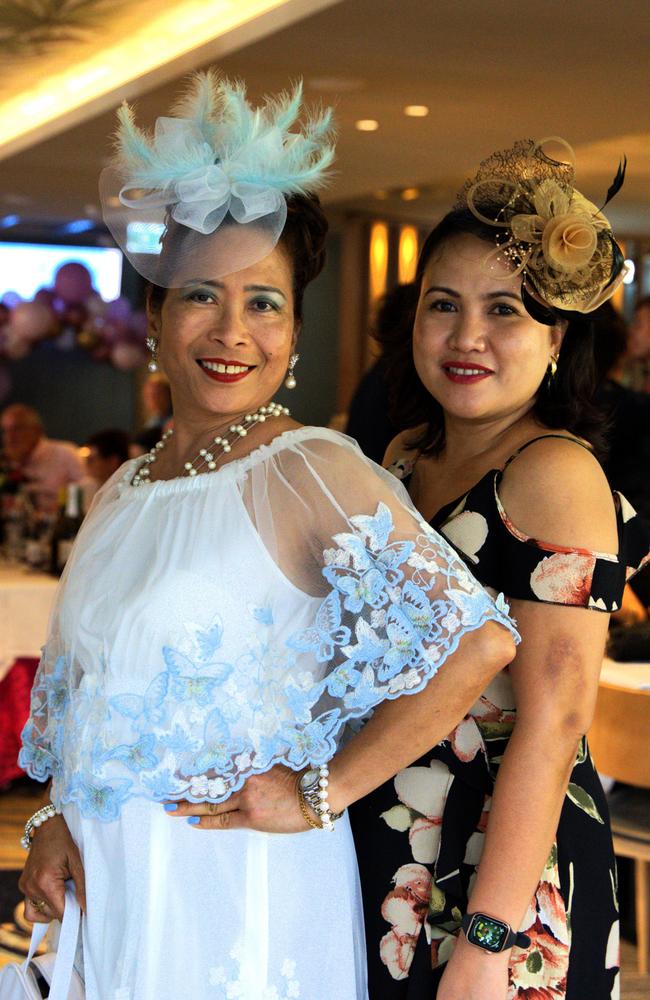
(38, 933)
(67, 946)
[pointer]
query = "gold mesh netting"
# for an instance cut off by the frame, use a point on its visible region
(546, 230)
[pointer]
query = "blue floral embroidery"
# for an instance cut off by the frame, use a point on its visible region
(206, 721)
(147, 709)
(326, 633)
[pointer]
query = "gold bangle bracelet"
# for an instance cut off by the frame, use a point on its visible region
(304, 809)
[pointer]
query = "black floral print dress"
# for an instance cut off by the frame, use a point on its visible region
(419, 837)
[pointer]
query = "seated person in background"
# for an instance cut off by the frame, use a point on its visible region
(368, 421)
(634, 371)
(106, 452)
(157, 405)
(43, 465)
(627, 461)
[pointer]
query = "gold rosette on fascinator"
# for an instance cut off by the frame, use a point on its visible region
(559, 241)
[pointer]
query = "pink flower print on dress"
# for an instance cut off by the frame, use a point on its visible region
(552, 911)
(466, 740)
(539, 972)
(468, 532)
(405, 908)
(564, 578)
(423, 791)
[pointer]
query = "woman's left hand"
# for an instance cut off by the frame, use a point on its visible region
(473, 974)
(267, 802)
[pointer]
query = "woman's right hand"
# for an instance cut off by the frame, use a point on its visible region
(53, 859)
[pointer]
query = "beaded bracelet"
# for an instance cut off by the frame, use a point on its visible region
(314, 792)
(40, 816)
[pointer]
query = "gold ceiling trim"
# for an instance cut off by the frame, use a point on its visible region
(180, 37)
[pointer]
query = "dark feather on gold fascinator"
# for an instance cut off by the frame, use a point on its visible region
(547, 231)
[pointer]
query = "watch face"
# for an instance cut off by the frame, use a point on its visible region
(488, 933)
(309, 778)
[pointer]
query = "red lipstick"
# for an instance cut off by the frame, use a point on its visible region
(465, 372)
(224, 370)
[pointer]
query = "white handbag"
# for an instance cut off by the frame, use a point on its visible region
(51, 975)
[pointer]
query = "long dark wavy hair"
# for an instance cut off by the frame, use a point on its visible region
(564, 402)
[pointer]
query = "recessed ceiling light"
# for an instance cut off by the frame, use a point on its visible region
(335, 84)
(416, 110)
(15, 199)
(410, 194)
(366, 125)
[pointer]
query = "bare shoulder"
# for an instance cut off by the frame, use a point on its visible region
(402, 446)
(557, 492)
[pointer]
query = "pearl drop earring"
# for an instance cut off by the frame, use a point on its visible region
(290, 380)
(152, 345)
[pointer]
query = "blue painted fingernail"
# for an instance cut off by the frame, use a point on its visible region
(171, 807)
(193, 820)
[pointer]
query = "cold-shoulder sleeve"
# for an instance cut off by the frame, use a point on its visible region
(211, 628)
(505, 558)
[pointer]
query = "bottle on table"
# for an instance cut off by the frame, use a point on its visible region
(66, 527)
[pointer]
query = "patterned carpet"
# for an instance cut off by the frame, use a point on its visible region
(20, 802)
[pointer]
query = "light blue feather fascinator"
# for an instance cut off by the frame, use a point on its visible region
(213, 168)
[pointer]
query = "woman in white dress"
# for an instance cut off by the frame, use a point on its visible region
(236, 605)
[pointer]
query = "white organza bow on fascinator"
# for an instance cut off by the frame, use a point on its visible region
(211, 170)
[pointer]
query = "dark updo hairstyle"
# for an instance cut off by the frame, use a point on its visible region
(566, 401)
(303, 239)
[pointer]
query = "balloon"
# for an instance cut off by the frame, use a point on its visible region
(5, 383)
(30, 321)
(45, 296)
(87, 339)
(127, 356)
(119, 310)
(96, 306)
(73, 283)
(16, 348)
(75, 316)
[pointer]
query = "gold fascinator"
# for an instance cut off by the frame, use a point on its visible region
(559, 241)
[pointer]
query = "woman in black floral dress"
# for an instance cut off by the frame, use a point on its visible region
(507, 817)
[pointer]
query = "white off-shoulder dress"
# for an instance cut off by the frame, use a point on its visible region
(206, 629)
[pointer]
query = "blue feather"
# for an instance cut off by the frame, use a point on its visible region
(254, 145)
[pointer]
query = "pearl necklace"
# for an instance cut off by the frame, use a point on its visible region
(206, 460)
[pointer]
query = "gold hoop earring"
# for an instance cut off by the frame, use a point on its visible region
(552, 367)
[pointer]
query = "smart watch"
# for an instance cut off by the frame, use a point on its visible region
(491, 934)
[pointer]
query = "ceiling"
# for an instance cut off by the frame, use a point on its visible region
(490, 73)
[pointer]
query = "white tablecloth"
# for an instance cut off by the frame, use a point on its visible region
(635, 676)
(26, 599)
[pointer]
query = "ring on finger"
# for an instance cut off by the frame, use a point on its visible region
(39, 904)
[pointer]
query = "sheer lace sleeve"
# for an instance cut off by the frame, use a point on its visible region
(210, 628)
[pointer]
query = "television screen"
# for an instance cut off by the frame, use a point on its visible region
(26, 267)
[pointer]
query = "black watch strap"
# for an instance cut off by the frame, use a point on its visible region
(472, 922)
